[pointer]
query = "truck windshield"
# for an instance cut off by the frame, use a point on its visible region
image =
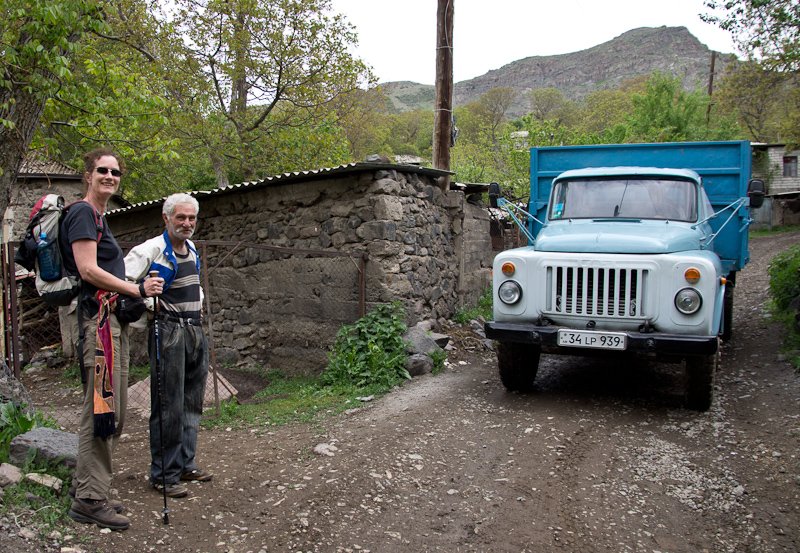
(627, 198)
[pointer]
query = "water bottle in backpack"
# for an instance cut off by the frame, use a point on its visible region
(49, 259)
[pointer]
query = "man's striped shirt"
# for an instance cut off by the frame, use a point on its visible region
(182, 298)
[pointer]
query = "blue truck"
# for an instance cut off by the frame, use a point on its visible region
(633, 251)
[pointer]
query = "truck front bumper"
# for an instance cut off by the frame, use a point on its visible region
(654, 344)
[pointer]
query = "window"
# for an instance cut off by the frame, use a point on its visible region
(790, 166)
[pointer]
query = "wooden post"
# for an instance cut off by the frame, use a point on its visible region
(710, 89)
(443, 114)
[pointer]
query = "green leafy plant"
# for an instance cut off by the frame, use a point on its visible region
(370, 352)
(784, 277)
(15, 421)
(439, 356)
(465, 314)
(784, 286)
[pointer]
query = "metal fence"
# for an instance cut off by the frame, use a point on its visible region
(273, 308)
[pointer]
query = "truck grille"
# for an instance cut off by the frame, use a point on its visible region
(596, 291)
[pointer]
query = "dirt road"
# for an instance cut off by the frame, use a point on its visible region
(600, 458)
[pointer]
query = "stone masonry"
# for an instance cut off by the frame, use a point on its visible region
(428, 250)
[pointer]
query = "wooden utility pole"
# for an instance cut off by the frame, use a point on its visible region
(443, 114)
(710, 88)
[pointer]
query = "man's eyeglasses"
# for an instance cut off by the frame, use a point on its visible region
(105, 170)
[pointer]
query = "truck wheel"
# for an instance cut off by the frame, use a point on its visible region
(518, 365)
(727, 315)
(700, 371)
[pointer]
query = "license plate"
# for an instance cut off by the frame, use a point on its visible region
(591, 339)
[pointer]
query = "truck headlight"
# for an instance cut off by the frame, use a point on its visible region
(688, 301)
(509, 292)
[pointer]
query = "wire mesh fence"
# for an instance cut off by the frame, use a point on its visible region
(273, 309)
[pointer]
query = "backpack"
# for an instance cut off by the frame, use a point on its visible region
(46, 217)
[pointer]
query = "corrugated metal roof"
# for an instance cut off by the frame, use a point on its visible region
(315, 174)
(36, 166)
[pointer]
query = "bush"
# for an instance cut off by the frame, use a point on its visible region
(465, 314)
(784, 278)
(371, 352)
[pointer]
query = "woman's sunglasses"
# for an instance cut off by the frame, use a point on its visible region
(105, 170)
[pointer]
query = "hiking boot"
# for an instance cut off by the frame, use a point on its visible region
(173, 490)
(97, 512)
(115, 504)
(197, 475)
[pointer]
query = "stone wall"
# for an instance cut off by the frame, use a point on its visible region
(428, 250)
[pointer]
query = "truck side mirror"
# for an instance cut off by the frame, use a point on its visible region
(755, 191)
(494, 194)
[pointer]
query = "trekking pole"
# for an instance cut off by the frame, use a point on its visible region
(165, 512)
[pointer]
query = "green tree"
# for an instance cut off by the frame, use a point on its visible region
(604, 109)
(365, 121)
(39, 38)
(492, 107)
(754, 94)
(261, 68)
(767, 30)
(549, 104)
(666, 112)
(410, 133)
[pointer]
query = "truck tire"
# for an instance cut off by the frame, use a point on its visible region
(518, 364)
(700, 370)
(727, 314)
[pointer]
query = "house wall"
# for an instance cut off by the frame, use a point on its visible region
(773, 176)
(25, 195)
(427, 250)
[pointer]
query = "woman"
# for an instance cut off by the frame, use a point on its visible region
(91, 251)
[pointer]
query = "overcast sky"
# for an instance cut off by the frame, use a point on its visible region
(398, 38)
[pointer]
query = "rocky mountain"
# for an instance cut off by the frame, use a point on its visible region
(672, 50)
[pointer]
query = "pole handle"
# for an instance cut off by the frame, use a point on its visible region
(154, 274)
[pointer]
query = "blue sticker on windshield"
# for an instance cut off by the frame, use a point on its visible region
(558, 211)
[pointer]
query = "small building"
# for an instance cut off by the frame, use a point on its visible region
(777, 167)
(428, 249)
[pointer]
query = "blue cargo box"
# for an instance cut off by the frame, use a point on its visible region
(724, 167)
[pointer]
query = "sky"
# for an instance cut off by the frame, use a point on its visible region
(398, 38)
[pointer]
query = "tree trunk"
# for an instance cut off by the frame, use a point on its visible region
(219, 170)
(25, 112)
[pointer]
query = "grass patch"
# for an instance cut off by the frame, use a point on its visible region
(36, 506)
(292, 400)
(776, 230)
(367, 359)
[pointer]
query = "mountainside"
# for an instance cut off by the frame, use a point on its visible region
(672, 50)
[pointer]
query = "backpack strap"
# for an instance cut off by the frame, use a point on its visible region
(98, 221)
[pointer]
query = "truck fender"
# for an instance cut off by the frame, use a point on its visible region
(719, 302)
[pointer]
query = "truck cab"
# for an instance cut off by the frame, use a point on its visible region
(626, 261)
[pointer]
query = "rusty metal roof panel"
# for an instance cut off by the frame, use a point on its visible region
(36, 166)
(330, 172)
